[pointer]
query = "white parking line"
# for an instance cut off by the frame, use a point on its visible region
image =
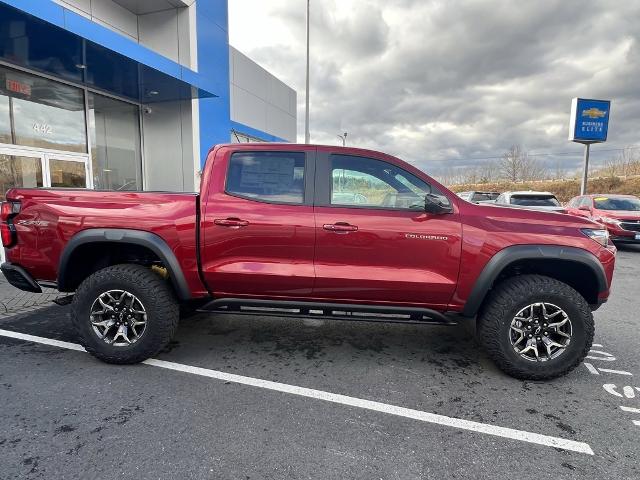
(591, 368)
(618, 372)
(630, 409)
(513, 434)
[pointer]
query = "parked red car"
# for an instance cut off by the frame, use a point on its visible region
(619, 213)
(312, 231)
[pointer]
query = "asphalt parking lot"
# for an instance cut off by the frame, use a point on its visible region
(66, 415)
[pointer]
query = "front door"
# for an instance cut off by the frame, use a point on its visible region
(32, 168)
(374, 241)
(257, 223)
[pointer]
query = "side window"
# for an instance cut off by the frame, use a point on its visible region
(267, 176)
(573, 203)
(365, 182)
(500, 198)
(585, 202)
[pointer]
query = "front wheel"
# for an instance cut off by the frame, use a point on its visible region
(535, 327)
(124, 314)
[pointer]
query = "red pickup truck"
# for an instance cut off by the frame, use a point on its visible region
(312, 231)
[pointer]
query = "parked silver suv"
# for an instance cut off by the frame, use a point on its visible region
(532, 200)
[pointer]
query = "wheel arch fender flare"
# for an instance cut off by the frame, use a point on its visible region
(518, 253)
(153, 242)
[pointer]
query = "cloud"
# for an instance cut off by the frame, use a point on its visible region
(443, 83)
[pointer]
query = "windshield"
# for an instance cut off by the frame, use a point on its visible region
(535, 200)
(620, 203)
(482, 196)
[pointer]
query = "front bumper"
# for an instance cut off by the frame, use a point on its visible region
(621, 235)
(20, 278)
(624, 239)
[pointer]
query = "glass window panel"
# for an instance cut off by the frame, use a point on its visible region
(46, 114)
(269, 176)
(16, 171)
(5, 120)
(628, 204)
(585, 202)
(66, 173)
(535, 200)
(115, 144)
(366, 182)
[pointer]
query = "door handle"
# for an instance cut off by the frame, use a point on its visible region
(340, 227)
(231, 222)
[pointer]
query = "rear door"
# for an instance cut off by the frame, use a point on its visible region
(257, 224)
(374, 241)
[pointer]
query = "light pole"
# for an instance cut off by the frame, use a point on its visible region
(307, 135)
(343, 138)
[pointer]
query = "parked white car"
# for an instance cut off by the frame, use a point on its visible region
(545, 201)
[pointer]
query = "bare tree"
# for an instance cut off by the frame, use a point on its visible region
(471, 175)
(626, 163)
(630, 161)
(532, 169)
(511, 163)
(517, 165)
(559, 173)
(490, 172)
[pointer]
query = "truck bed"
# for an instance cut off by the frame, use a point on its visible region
(48, 218)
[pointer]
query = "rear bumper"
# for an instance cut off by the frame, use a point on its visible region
(20, 278)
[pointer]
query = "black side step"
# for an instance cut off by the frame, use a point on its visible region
(328, 311)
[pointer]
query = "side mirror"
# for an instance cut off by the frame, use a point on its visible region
(584, 207)
(437, 204)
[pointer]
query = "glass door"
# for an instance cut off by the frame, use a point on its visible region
(32, 168)
(67, 171)
(20, 168)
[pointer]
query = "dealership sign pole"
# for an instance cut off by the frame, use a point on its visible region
(589, 124)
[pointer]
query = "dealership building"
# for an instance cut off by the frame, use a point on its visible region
(127, 94)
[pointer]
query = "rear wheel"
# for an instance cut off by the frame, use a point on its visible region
(536, 327)
(124, 314)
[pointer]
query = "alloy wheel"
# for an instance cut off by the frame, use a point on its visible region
(118, 318)
(540, 332)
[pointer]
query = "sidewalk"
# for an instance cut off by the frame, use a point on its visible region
(14, 301)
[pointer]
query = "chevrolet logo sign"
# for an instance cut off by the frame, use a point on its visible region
(593, 113)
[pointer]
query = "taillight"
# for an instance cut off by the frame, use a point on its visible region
(8, 210)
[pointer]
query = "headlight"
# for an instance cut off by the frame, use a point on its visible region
(599, 235)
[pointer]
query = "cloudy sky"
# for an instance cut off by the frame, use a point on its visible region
(450, 83)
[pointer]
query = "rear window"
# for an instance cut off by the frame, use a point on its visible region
(267, 176)
(535, 200)
(482, 196)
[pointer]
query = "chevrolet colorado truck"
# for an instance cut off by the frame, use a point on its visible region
(312, 231)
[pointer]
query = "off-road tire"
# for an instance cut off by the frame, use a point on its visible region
(515, 293)
(159, 302)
